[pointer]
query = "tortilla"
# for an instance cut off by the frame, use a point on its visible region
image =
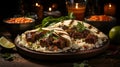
(94, 39)
(45, 40)
(71, 35)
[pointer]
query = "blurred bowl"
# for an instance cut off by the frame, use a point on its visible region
(19, 24)
(102, 22)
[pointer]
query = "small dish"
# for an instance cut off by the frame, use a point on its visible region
(102, 22)
(76, 49)
(19, 23)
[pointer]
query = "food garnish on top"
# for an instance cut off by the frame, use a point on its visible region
(45, 40)
(19, 20)
(63, 36)
(82, 34)
(99, 18)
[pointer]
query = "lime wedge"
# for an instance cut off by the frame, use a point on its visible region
(6, 43)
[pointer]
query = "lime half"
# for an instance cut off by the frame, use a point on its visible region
(6, 43)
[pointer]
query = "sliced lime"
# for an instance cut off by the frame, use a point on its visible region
(4, 42)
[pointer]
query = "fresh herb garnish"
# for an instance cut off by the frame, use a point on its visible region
(55, 37)
(49, 33)
(51, 20)
(80, 27)
(82, 64)
(8, 56)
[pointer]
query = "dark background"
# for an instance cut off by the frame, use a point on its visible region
(9, 8)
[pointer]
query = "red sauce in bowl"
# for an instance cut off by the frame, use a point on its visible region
(100, 18)
(19, 20)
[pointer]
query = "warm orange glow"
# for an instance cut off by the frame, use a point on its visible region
(76, 5)
(110, 5)
(19, 20)
(77, 10)
(50, 9)
(109, 9)
(36, 4)
(54, 6)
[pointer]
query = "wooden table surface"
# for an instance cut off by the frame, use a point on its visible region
(109, 58)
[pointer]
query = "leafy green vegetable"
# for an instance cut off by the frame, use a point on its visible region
(55, 37)
(50, 20)
(79, 65)
(7, 56)
(49, 33)
(82, 64)
(80, 27)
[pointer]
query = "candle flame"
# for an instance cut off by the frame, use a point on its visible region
(36, 4)
(110, 5)
(50, 9)
(76, 5)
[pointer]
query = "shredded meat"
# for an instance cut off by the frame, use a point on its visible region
(63, 27)
(30, 36)
(33, 36)
(78, 35)
(44, 42)
(50, 41)
(60, 43)
(92, 39)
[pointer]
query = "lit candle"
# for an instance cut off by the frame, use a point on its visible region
(50, 9)
(110, 9)
(76, 5)
(77, 10)
(36, 4)
(39, 10)
(50, 12)
(54, 6)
